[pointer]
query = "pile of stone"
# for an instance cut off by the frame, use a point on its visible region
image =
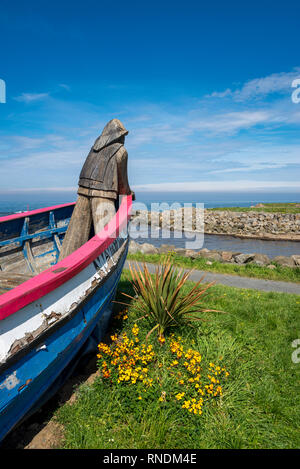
(252, 224)
(215, 255)
(263, 224)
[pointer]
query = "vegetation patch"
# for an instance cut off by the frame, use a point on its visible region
(273, 208)
(168, 371)
(286, 274)
(161, 299)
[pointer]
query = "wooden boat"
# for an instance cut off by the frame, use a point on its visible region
(50, 313)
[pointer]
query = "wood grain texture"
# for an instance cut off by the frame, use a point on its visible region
(102, 179)
(79, 227)
(103, 210)
(9, 280)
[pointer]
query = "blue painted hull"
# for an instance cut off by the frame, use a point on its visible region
(45, 365)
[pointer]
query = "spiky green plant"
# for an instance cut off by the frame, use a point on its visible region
(160, 297)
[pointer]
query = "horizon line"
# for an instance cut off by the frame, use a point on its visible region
(193, 186)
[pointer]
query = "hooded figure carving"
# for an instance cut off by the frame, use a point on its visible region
(102, 179)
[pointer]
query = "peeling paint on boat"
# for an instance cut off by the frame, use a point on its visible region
(47, 321)
(10, 382)
(22, 327)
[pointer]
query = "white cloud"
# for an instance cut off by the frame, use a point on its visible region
(167, 142)
(218, 186)
(219, 94)
(258, 154)
(30, 97)
(249, 167)
(27, 190)
(27, 143)
(65, 87)
(154, 133)
(261, 87)
(230, 122)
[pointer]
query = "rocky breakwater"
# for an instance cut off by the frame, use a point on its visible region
(252, 224)
(220, 256)
(261, 225)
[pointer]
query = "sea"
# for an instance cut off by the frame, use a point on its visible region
(31, 200)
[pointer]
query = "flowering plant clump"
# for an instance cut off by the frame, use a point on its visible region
(127, 360)
(121, 315)
(169, 372)
(160, 296)
(201, 383)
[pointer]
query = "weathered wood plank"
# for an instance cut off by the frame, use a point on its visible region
(9, 280)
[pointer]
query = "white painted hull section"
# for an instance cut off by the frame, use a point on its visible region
(41, 314)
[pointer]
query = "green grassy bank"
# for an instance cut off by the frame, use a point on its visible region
(275, 207)
(260, 402)
(245, 270)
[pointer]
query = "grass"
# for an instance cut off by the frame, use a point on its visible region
(273, 208)
(260, 406)
(286, 274)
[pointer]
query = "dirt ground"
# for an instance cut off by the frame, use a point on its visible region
(41, 431)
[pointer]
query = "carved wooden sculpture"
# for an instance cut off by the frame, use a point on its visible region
(102, 179)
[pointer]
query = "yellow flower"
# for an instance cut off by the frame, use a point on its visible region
(186, 404)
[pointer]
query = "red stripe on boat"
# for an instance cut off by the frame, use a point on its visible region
(33, 212)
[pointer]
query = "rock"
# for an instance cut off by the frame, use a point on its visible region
(284, 261)
(180, 251)
(226, 256)
(252, 223)
(271, 266)
(134, 247)
(212, 255)
(208, 263)
(243, 258)
(296, 259)
(192, 254)
(147, 248)
(166, 248)
(260, 259)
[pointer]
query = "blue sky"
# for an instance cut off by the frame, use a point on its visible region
(204, 89)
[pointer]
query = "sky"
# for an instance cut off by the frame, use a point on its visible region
(204, 88)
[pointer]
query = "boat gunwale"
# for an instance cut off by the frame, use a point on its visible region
(40, 339)
(50, 279)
